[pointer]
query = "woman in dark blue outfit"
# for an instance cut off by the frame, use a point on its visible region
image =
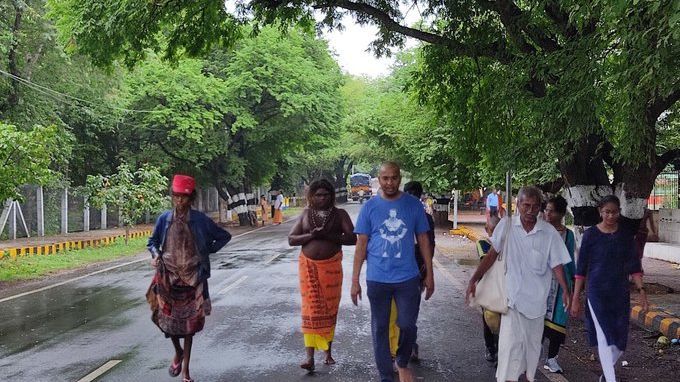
(606, 259)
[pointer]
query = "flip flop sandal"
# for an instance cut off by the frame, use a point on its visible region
(176, 368)
(187, 380)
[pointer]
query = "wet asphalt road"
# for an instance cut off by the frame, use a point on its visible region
(253, 334)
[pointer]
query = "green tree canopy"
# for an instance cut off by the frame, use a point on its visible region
(234, 114)
(40, 85)
(583, 82)
(32, 157)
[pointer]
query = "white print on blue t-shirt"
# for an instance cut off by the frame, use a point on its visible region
(391, 227)
(392, 231)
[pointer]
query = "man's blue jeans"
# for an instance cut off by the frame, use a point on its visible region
(407, 297)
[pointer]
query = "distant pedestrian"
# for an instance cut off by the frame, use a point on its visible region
(278, 208)
(180, 245)
(388, 228)
(533, 249)
(556, 317)
(264, 207)
(606, 259)
(428, 202)
(492, 202)
(416, 190)
(646, 232)
(491, 321)
(321, 230)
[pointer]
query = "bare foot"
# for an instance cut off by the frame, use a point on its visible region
(329, 360)
(308, 365)
(405, 374)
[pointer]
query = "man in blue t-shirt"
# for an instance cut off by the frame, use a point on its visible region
(387, 228)
(492, 202)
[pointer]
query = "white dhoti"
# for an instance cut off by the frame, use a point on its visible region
(519, 346)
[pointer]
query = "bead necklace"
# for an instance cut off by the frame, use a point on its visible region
(322, 215)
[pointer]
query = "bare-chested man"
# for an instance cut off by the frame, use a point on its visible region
(321, 230)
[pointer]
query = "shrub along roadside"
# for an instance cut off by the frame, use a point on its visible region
(31, 267)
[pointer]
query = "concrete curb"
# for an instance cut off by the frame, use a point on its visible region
(53, 248)
(657, 320)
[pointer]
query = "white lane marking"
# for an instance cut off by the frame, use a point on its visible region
(273, 258)
(100, 371)
(106, 270)
(69, 281)
(456, 283)
(233, 285)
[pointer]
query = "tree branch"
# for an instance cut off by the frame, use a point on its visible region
(517, 25)
(664, 159)
(659, 105)
(496, 51)
(555, 13)
(173, 155)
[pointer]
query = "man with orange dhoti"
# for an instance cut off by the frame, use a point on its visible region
(321, 230)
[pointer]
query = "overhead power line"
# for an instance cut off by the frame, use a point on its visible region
(56, 94)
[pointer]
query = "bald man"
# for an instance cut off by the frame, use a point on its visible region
(388, 227)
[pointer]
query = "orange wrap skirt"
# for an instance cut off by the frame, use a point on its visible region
(278, 216)
(321, 289)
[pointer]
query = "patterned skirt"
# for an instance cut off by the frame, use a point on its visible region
(177, 309)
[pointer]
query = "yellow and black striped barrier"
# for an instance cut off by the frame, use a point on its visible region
(54, 248)
(465, 231)
(657, 320)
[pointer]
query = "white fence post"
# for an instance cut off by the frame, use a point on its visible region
(40, 209)
(13, 221)
(103, 217)
(86, 215)
(215, 200)
(455, 208)
(199, 199)
(64, 211)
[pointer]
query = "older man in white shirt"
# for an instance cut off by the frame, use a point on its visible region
(534, 249)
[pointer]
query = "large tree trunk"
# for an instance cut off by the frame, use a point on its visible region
(586, 181)
(237, 201)
(342, 169)
(632, 185)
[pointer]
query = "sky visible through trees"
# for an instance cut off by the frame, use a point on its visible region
(581, 96)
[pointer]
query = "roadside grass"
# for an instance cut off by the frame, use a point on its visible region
(292, 211)
(31, 267)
